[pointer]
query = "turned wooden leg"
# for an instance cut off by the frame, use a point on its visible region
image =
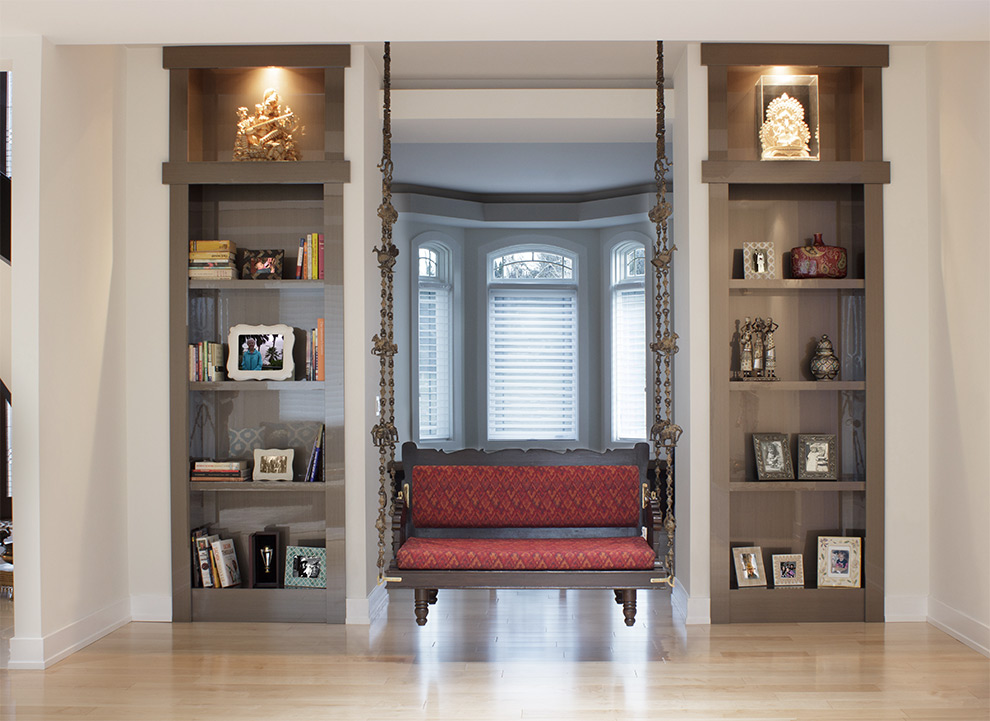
(422, 605)
(433, 595)
(629, 605)
(618, 596)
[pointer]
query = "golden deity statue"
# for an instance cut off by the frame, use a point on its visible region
(267, 135)
(785, 134)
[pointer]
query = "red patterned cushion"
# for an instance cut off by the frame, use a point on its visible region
(529, 554)
(525, 496)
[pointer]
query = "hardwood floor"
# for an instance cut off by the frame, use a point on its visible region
(510, 655)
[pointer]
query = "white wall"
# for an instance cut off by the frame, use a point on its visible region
(362, 286)
(957, 338)
(141, 231)
(70, 286)
(906, 314)
(692, 392)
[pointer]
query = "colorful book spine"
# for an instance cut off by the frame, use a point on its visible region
(320, 272)
(320, 343)
(214, 245)
(299, 258)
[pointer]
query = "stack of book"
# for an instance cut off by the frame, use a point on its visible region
(206, 362)
(314, 352)
(216, 560)
(309, 263)
(214, 471)
(212, 259)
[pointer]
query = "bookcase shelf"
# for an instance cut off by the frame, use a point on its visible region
(257, 205)
(257, 386)
(799, 486)
(288, 285)
(786, 202)
(257, 487)
(803, 386)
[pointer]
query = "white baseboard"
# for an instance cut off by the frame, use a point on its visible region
(151, 608)
(692, 611)
(905, 609)
(40, 653)
(362, 611)
(960, 626)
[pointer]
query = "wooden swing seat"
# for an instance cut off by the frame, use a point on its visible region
(526, 519)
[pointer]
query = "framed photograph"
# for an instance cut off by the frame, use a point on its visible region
(306, 567)
(748, 561)
(260, 264)
(773, 457)
(260, 352)
(759, 262)
(273, 464)
(839, 561)
(788, 570)
(817, 457)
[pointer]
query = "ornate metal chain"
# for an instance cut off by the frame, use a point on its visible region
(664, 433)
(384, 434)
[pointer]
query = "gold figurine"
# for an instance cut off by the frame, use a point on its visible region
(267, 135)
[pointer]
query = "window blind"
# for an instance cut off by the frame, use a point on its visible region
(435, 395)
(532, 364)
(628, 363)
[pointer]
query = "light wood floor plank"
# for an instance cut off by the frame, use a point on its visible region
(494, 656)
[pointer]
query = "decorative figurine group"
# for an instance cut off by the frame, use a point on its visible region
(267, 135)
(757, 351)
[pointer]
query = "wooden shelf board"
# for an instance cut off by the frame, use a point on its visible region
(841, 172)
(742, 386)
(285, 284)
(793, 285)
(258, 486)
(254, 173)
(257, 385)
(770, 486)
(266, 605)
(786, 605)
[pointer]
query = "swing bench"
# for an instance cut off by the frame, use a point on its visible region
(526, 519)
(537, 519)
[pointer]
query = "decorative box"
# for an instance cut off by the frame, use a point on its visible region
(818, 260)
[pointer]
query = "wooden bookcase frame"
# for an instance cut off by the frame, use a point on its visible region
(787, 516)
(197, 126)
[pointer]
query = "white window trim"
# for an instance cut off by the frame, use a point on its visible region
(617, 280)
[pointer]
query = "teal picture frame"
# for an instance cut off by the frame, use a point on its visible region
(305, 567)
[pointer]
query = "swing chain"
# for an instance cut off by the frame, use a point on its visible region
(665, 433)
(384, 434)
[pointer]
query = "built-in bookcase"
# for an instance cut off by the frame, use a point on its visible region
(787, 202)
(258, 205)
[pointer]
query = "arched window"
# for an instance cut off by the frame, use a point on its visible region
(628, 342)
(532, 344)
(435, 345)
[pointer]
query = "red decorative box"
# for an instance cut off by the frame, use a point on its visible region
(818, 260)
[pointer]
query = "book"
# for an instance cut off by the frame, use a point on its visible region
(204, 552)
(240, 475)
(313, 256)
(234, 478)
(319, 273)
(299, 258)
(320, 343)
(213, 245)
(219, 465)
(313, 468)
(212, 255)
(226, 560)
(213, 273)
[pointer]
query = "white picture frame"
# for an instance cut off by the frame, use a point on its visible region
(839, 561)
(270, 358)
(273, 464)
